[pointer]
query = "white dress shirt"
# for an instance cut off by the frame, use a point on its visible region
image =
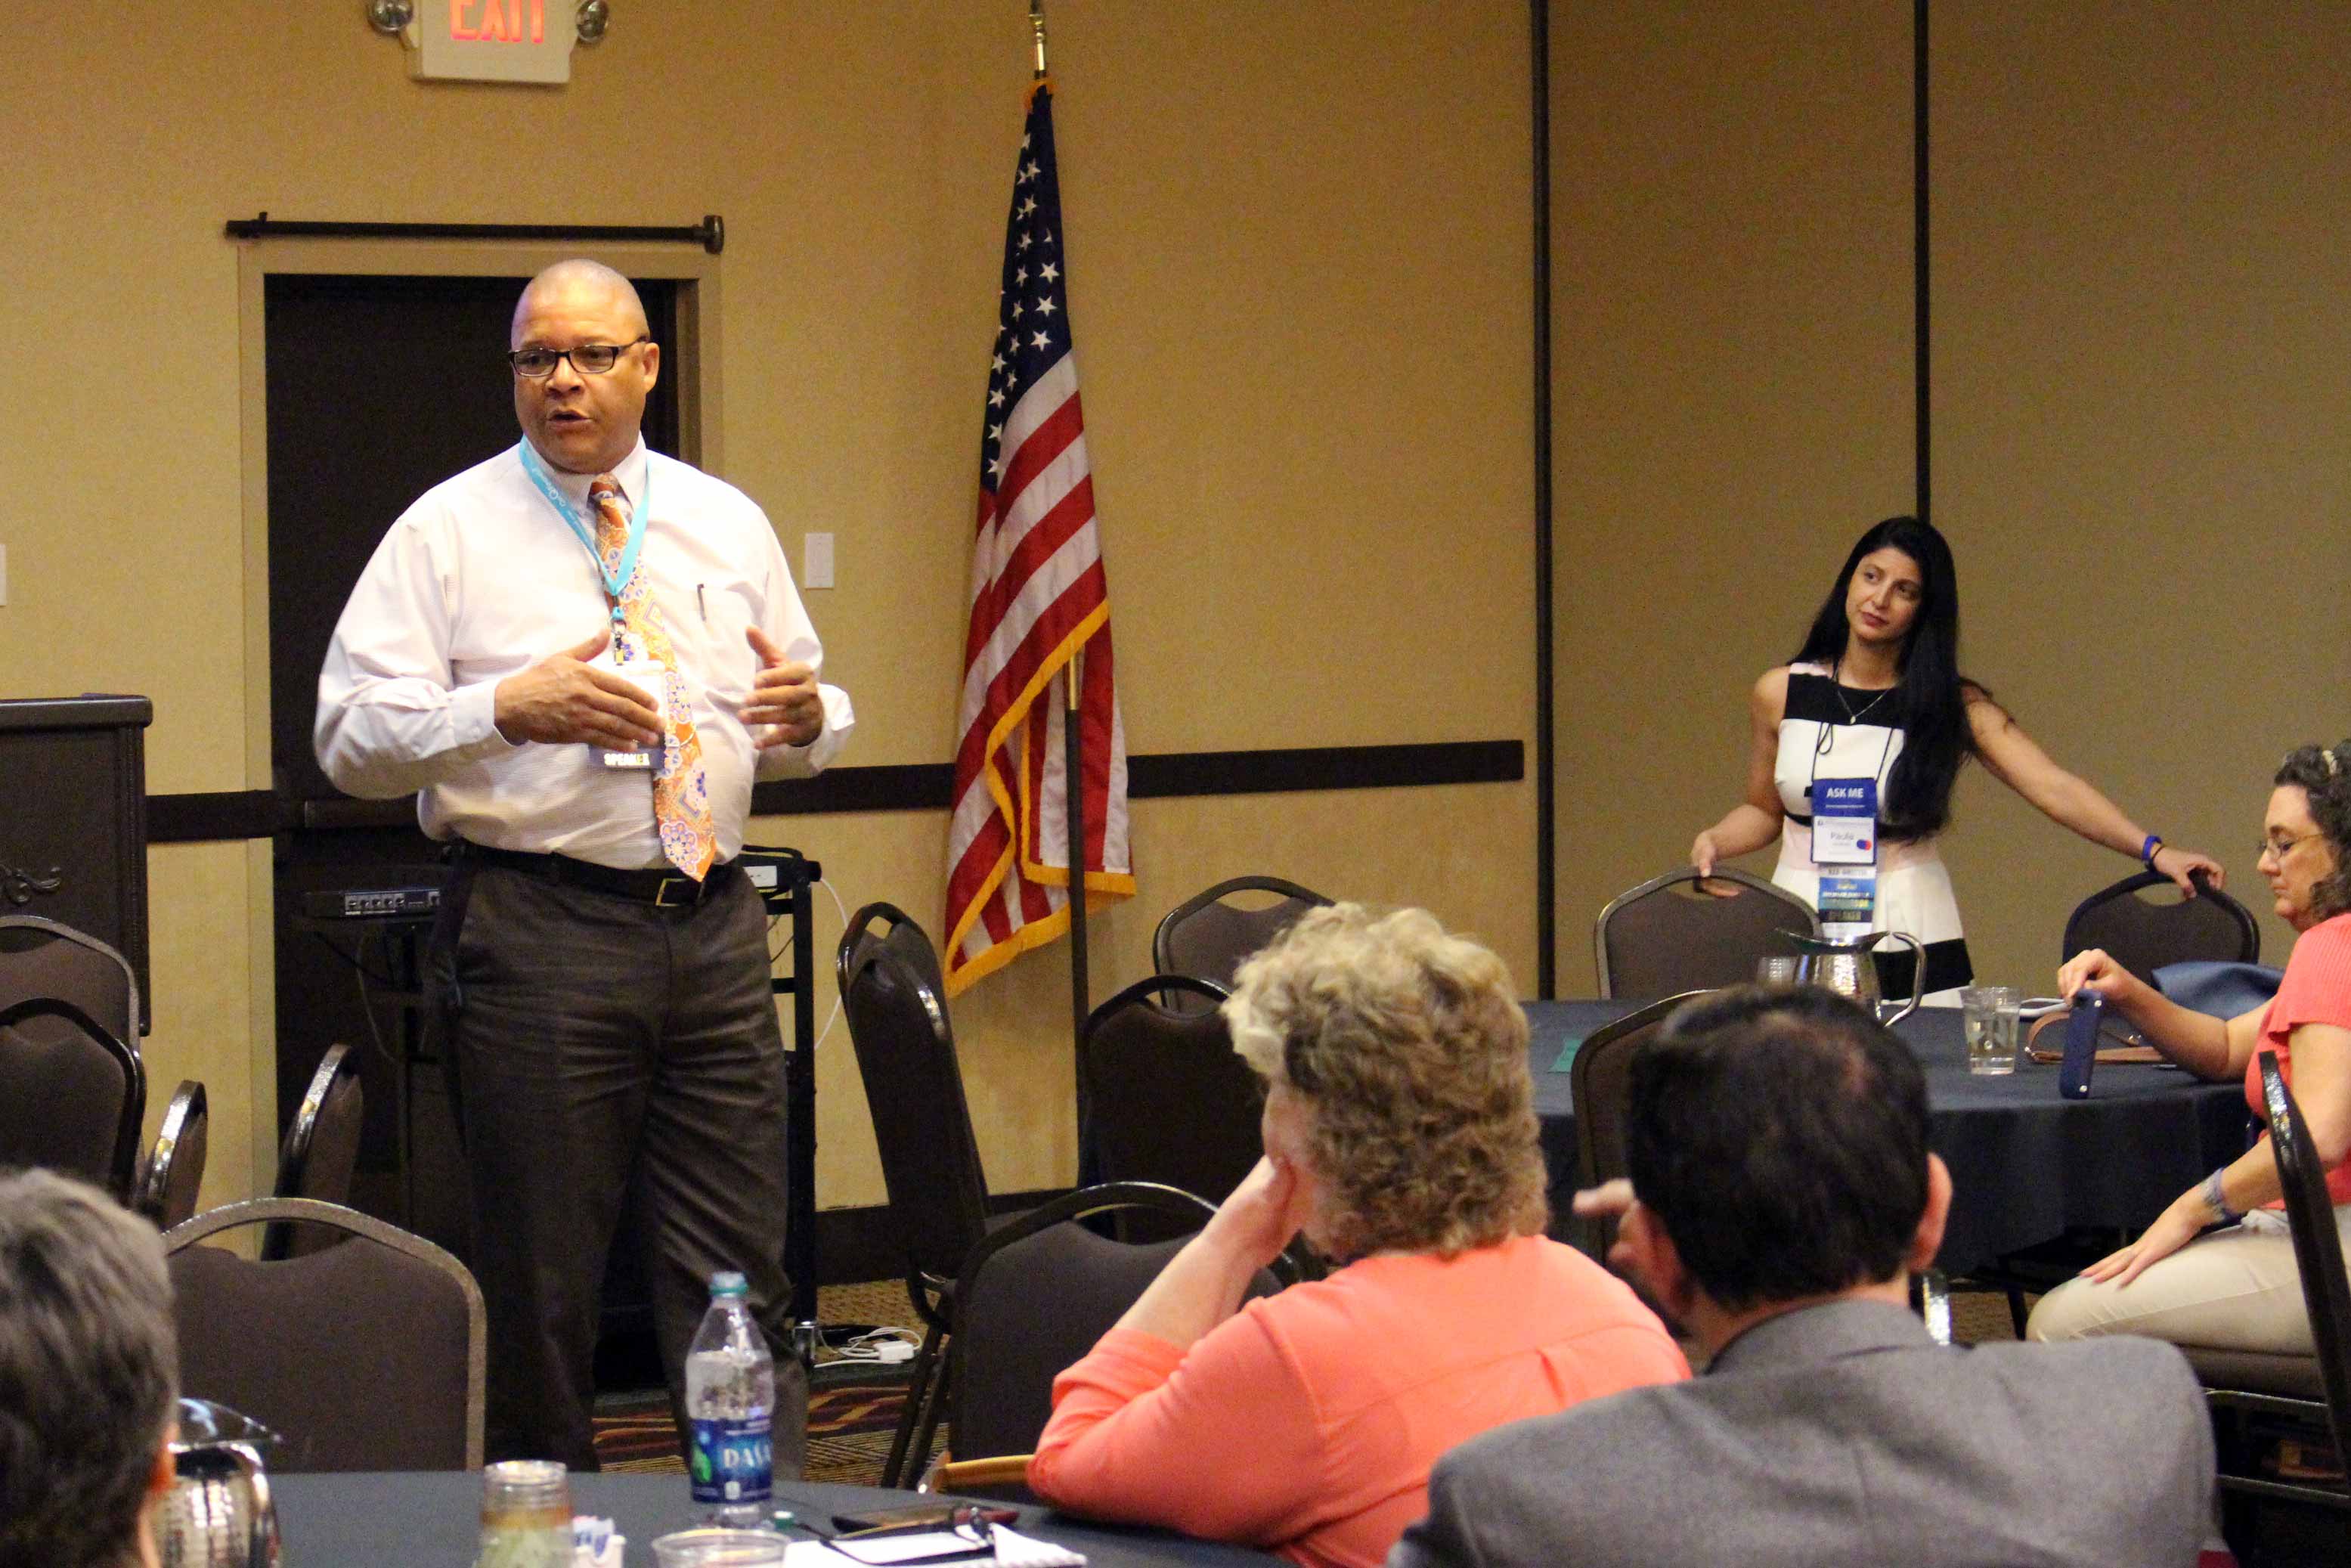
(480, 579)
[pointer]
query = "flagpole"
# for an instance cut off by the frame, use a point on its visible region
(1073, 796)
(1037, 26)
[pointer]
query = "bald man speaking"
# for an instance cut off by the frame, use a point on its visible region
(579, 656)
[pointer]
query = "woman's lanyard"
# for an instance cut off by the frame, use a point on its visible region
(1820, 746)
(614, 580)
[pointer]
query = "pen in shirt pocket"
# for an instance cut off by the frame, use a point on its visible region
(700, 604)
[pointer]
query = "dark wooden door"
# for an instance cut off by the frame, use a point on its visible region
(378, 388)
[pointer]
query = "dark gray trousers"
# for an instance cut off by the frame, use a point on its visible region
(601, 1045)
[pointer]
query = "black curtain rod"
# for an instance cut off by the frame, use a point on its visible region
(710, 234)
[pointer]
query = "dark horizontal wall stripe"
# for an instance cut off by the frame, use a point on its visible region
(257, 814)
(908, 786)
(195, 819)
(1325, 768)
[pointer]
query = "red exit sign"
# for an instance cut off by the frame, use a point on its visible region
(497, 21)
(492, 40)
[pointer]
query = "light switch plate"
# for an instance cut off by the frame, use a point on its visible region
(816, 560)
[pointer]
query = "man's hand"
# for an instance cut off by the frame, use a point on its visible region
(783, 695)
(561, 700)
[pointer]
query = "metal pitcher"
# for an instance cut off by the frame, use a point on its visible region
(1846, 968)
(219, 1513)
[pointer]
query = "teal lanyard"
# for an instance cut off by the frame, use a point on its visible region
(615, 582)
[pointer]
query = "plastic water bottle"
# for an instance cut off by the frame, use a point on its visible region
(730, 1402)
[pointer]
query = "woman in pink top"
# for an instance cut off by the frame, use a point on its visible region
(1400, 1137)
(2236, 1288)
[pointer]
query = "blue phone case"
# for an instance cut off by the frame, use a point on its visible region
(2081, 1045)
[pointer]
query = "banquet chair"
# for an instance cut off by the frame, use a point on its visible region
(1668, 935)
(174, 1168)
(45, 957)
(1162, 1095)
(73, 1094)
(2143, 933)
(1208, 935)
(890, 990)
(1600, 1082)
(1031, 1300)
(320, 1151)
(365, 1356)
(2254, 1395)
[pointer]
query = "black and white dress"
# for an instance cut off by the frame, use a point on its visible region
(1832, 732)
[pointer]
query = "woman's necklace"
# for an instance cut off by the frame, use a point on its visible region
(1838, 686)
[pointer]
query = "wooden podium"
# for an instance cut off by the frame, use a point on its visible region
(73, 839)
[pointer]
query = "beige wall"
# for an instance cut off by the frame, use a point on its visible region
(2138, 379)
(1732, 391)
(2140, 351)
(1299, 262)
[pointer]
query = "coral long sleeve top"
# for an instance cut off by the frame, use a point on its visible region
(1308, 1422)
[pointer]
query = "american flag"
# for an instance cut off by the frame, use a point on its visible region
(1038, 596)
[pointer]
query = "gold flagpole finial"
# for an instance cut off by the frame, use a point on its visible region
(1037, 26)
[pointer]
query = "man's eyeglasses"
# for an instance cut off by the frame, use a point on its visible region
(587, 359)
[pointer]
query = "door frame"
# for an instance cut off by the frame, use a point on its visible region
(693, 360)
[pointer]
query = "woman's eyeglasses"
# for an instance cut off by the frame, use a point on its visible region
(2277, 852)
(971, 1527)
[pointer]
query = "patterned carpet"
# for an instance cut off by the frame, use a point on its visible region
(853, 1406)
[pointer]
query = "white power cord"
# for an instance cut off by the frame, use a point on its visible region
(774, 954)
(886, 1345)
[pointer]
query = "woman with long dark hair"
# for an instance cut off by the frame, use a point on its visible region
(1876, 694)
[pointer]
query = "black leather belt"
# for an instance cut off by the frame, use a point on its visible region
(660, 887)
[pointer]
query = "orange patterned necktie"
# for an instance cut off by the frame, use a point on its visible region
(681, 789)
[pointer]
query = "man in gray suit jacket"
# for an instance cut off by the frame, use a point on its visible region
(1777, 1142)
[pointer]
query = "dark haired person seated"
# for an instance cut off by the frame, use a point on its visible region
(1782, 1193)
(89, 1368)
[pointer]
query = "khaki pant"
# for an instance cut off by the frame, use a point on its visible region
(2234, 1290)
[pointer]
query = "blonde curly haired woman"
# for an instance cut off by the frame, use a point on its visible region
(1400, 1138)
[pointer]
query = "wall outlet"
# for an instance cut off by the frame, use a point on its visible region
(816, 560)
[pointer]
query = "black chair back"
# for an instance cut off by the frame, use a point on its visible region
(45, 957)
(366, 1356)
(320, 1151)
(175, 1168)
(2144, 933)
(1600, 1081)
(1038, 1292)
(913, 1089)
(2317, 1244)
(1163, 1098)
(1208, 935)
(1668, 935)
(73, 1094)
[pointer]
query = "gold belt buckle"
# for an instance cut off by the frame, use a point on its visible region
(661, 899)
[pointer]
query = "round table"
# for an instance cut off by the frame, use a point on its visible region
(369, 1521)
(2025, 1165)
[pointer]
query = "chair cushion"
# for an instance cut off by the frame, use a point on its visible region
(356, 1356)
(2257, 1372)
(60, 1101)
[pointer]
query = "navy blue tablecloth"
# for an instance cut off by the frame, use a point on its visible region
(434, 1518)
(2025, 1165)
